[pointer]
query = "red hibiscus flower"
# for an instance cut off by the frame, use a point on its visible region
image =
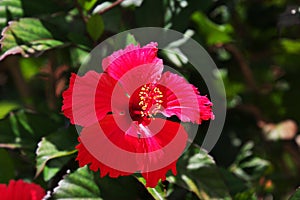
(122, 113)
(20, 190)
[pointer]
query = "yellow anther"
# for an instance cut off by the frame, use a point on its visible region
(149, 96)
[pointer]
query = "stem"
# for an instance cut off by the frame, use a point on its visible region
(84, 18)
(114, 4)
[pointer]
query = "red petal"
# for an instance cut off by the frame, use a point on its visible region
(153, 177)
(141, 75)
(3, 191)
(117, 153)
(179, 98)
(88, 98)
(85, 158)
(183, 100)
(140, 139)
(120, 62)
(129, 84)
(205, 108)
(20, 190)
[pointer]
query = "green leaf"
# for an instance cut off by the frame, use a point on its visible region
(77, 185)
(198, 173)
(26, 36)
(113, 19)
(245, 152)
(130, 39)
(247, 166)
(22, 118)
(95, 26)
(14, 125)
(213, 33)
(247, 194)
(201, 159)
(87, 4)
(296, 195)
(135, 3)
(47, 151)
(50, 172)
(9, 9)
(21, 129)
(291, 46)
(101, 7)
(6, 107)
(158, 192)
(30, 67)
(78, 56)
(194, 188)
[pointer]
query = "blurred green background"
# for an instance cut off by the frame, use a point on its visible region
(255, 44)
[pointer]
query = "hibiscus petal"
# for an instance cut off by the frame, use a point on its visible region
(88, 98)
(183, 100)
(205, 107)
(84, 158)
(117, 153)
(19, 189)
(141, 75)
(153, 177)
(122, 61)
(179, 98)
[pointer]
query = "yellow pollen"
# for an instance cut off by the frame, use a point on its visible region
(150, 96)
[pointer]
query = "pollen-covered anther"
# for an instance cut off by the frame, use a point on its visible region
(150, 100)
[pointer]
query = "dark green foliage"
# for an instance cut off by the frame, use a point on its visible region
(255, 44)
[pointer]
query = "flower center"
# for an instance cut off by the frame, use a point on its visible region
(145, 103)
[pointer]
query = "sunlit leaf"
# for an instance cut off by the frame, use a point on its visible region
(291, 46)
(87, 4)
(9, 9)
(248, 166)
(213, 33)
(77, 185)
(99, 8)
(158, 192)
(194, 188)
(201, 159)
(127, 3)
(26, 36)
(6, 107)
(47, 151)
